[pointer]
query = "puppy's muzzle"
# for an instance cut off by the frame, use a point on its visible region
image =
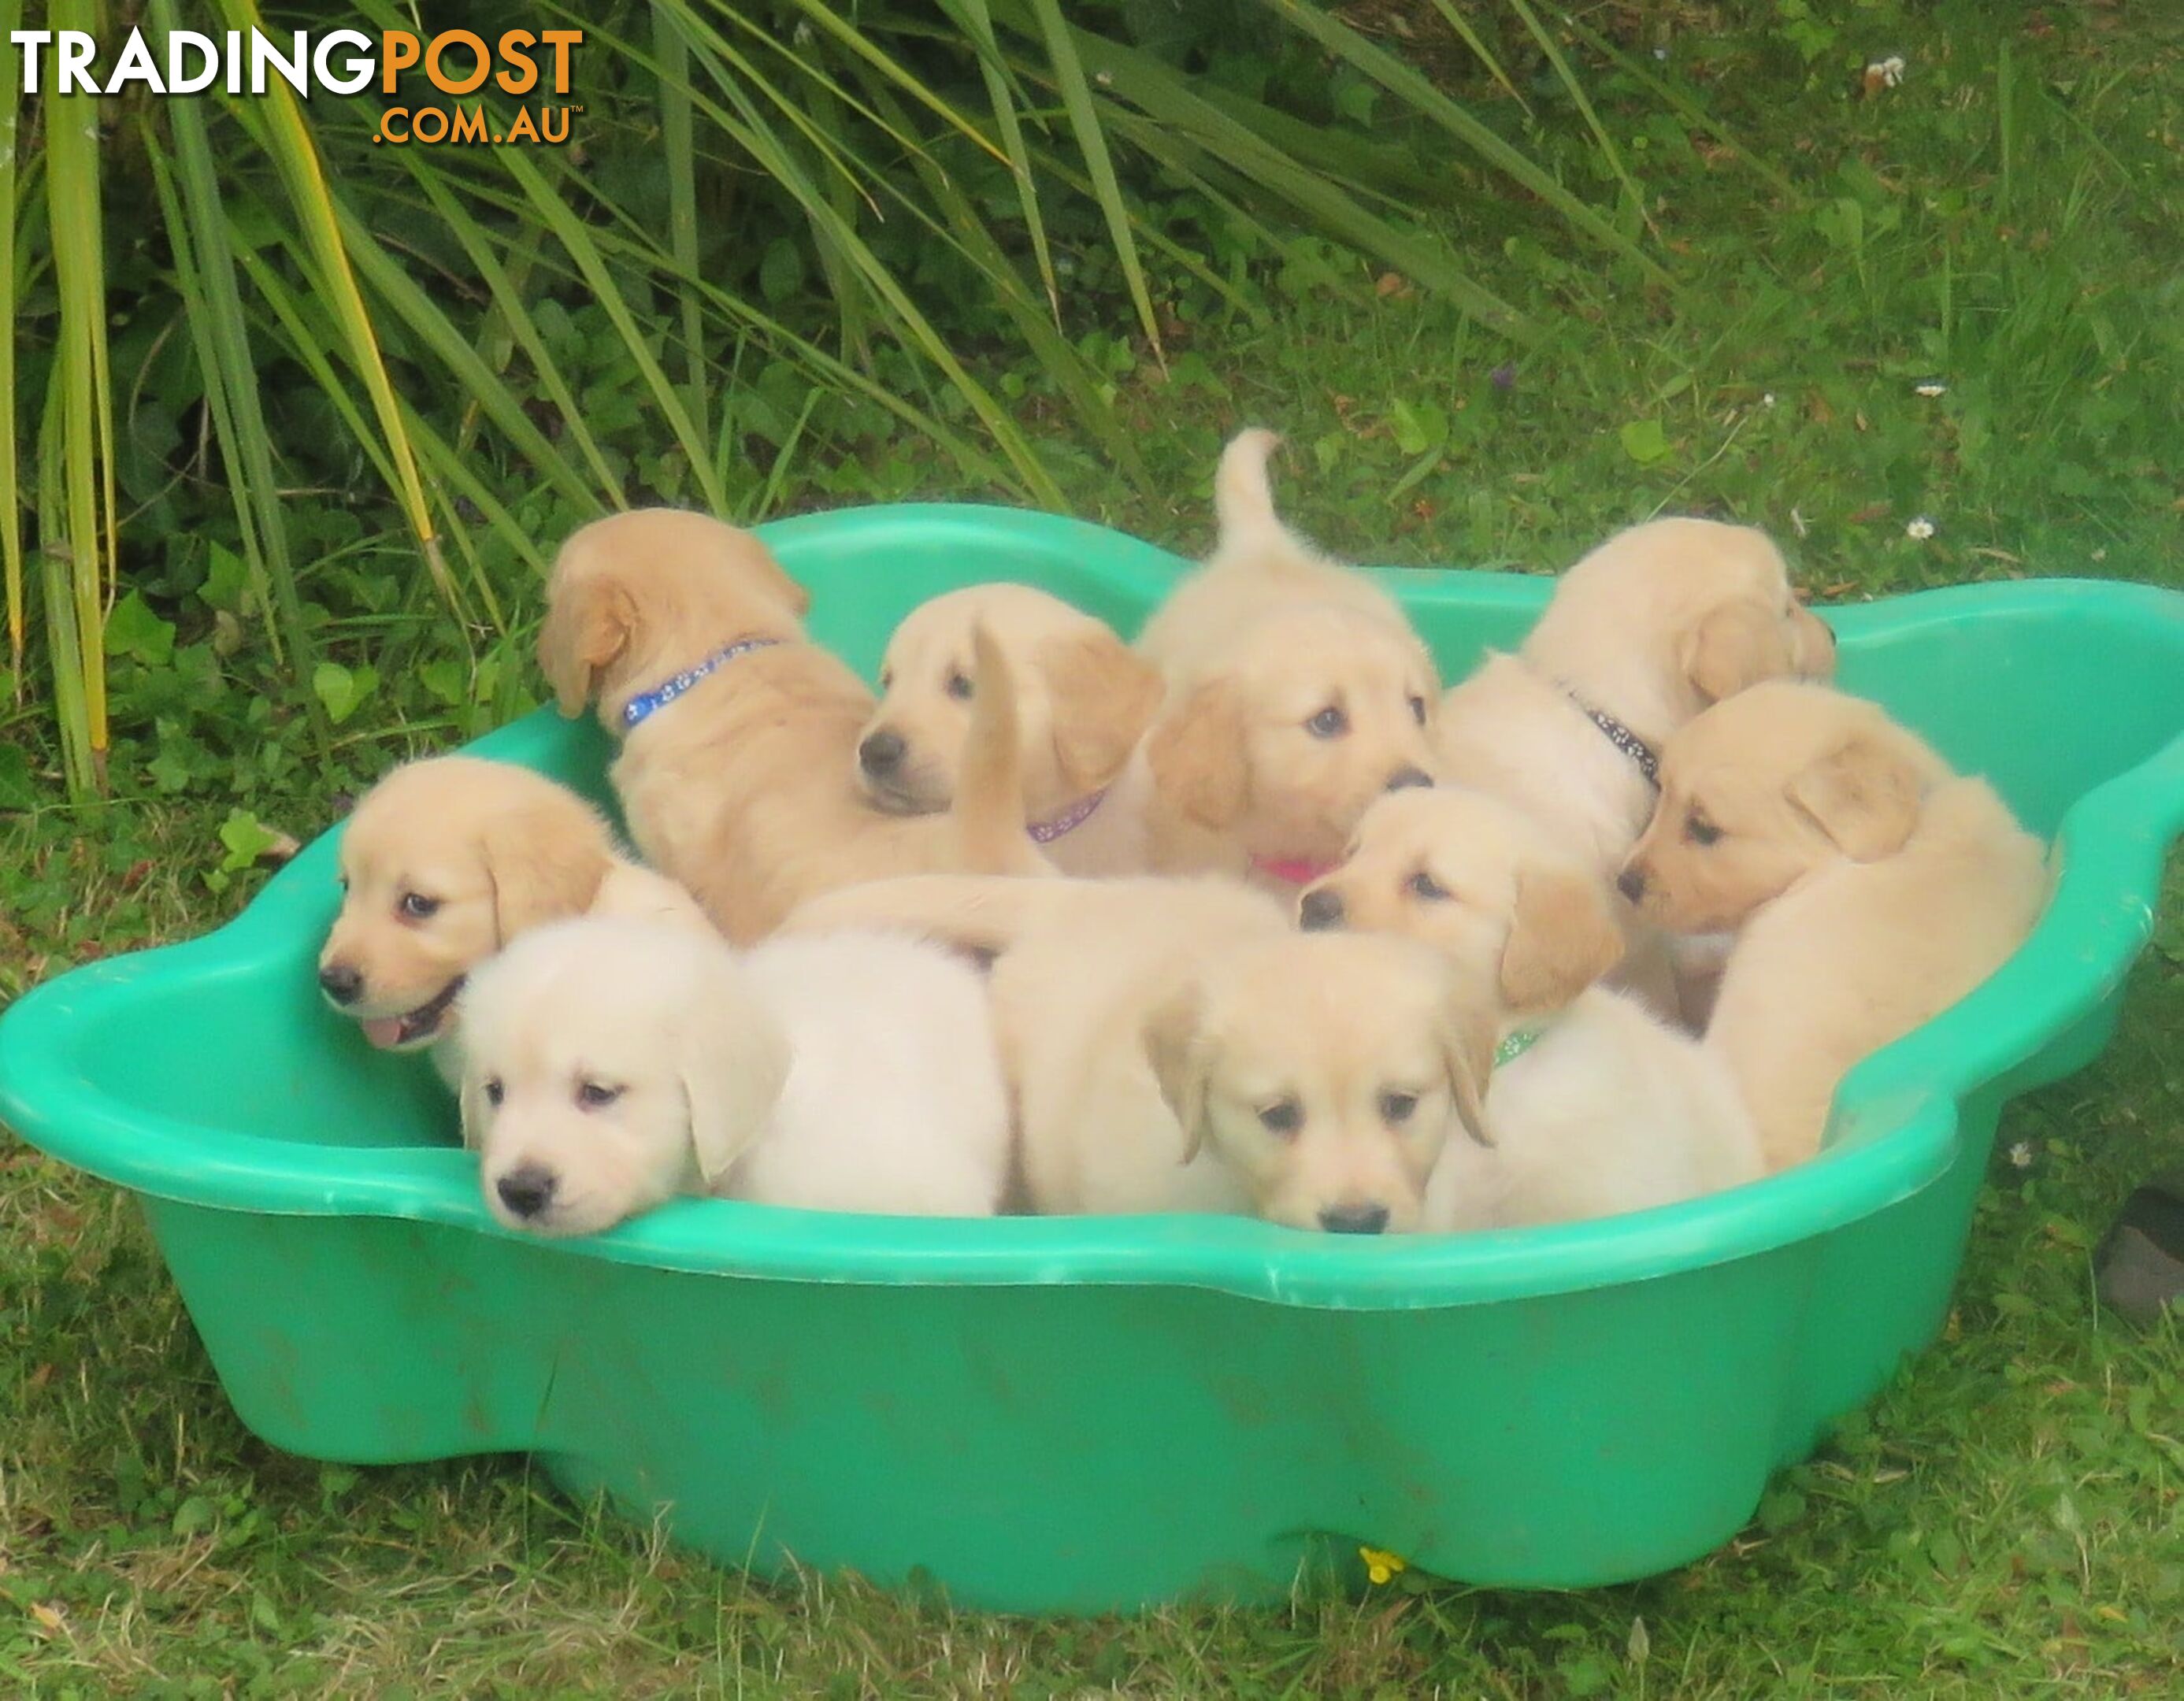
(527, 1190)
(1354, 1219)
(881, 754)
(1404, 778)
(342, 983)
(1318, 911)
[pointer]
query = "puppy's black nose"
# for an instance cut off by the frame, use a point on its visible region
(1354, 1219)
(1320, 909)
(1631, 883)
(881, 754)
(1404, 778)
(525, 1189)
(340, 983)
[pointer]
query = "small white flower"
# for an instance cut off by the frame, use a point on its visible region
(2102, 553)
(1767, 400)
(803, 34)
(1890, 70)
(1921, 528)
(1931, 389)
(1660, 53)
(2021, 1154)
(1105, 79)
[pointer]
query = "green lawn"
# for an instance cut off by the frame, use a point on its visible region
(2007, 1519)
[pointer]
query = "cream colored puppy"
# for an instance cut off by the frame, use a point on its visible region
(1870, 888)
(1175, 1046)
(1596, 1106)
(446, 860)
(738, 736)
(1258, 566)
(1261, 767)
(1646, 630)
(1083, 700)
(612, 1065)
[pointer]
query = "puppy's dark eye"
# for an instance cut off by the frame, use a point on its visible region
(596, 1095)
(1329, 722)
(1396, 1107)
(1700, 831)
(1283, 1116)
(1423, 885)
(494, 1091)
(1418, 711)
(959, 687)
(416, 907)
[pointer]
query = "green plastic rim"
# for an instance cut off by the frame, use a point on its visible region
(1903, 1104)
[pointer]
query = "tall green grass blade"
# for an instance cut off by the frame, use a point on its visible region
(67, 652)
(1479, 51)
(1076, 89)
(392, 284)
(75, 230)
(1186, 129)
(679, 149)
(976, 20)
(521, 326)
(11, 524)
(1693, 111)
(577, 241)
(287, 138)
(1606, 144)
(1411, 87)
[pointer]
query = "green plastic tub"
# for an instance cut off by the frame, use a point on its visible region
(1067, 1414)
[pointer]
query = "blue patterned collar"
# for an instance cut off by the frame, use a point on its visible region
(646, 704)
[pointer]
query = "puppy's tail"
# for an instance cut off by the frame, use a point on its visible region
(989, 811)
(1244, 505)
(974, 912)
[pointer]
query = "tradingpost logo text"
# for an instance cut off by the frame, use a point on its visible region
(455, 63)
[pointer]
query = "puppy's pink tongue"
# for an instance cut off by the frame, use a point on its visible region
(383, 1031)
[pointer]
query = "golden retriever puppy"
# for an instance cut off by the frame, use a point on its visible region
(1175, 1046)
(1261, 766)
(1258, 565)
(1647, 629)
(1083, 700)
(738, 736)
(612, 1065)
(446, 860)
(1870, 888)
(1596, 1106)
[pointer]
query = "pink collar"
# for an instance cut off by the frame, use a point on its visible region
(1293, 869)
(1068, 821)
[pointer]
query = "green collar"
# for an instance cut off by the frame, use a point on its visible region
(1515, 1045)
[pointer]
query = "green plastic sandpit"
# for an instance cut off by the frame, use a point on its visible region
(1067, 1415)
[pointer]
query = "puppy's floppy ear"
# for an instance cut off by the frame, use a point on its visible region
(1104, 695)
(1466, 1052)
(733, 1065)
(545, 862)
(589, 621)
(1179, 1062)
(1562, 937)
(1863, 794)
(1737, 645)
(1198, 759)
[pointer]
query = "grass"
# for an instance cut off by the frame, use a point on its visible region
(2006, 1520)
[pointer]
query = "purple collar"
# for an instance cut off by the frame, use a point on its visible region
(1068, 821)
